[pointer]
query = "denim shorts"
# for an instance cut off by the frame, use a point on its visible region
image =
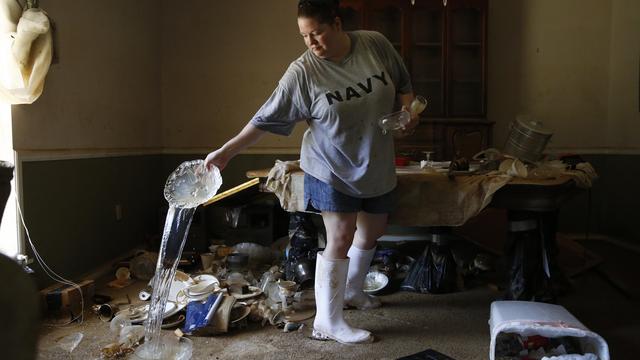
(320, 196)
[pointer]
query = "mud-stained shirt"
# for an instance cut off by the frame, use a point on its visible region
(341, 103)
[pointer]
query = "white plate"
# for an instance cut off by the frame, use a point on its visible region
(176, 307)
(141, 311)
(176, 287)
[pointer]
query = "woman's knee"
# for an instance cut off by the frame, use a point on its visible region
(340, 227)
(371, 227)
(375, 234)
(340, 239)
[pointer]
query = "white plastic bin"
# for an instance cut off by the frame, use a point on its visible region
(532, 318)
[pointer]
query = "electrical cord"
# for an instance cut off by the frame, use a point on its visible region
(52, 274)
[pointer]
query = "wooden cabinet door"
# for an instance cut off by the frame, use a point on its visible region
(426, 54)
(443, 44)
(389, 18)
(352, 14)
(466, 58)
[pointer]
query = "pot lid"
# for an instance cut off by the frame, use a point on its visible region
(532, 124)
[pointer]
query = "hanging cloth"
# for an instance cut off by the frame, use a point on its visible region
(26, 48)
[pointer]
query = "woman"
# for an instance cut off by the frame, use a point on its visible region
(340, 86)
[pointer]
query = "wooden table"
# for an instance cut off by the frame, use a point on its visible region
(532, 206)
(421, 191)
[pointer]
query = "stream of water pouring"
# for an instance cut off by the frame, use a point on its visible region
(186, 188)
(175, 233)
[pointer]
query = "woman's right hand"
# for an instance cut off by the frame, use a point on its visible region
(248, 136)
(217, 158)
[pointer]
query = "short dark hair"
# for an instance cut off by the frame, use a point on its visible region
(324, 11)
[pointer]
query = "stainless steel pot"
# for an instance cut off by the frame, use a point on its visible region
(527, 139)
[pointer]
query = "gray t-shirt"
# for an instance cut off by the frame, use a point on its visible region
(342, 102)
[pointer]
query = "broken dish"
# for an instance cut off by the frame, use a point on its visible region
(253, 291)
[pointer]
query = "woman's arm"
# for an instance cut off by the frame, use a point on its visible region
(245, 138)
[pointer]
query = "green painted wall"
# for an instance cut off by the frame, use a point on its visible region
(613, 203)
(69, 209)
(69, 206)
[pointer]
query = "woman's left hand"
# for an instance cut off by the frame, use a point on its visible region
(410, 127)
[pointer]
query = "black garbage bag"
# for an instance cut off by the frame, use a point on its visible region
(303, 233)
(433, 272)
(531, 253)
(303, 241)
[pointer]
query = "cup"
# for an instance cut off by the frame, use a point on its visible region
(236, 282)
(105, 312)
(207, 260)
(287, 287)
(428, 159)
(513, 167)
(237, 262)
(418, 105)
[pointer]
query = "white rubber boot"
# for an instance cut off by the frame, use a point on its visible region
(360, 260)
(329, 324)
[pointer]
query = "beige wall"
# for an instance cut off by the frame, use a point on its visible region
(623, 125)
(572, 64)
(221, 61)
(186, 77)
(104, 92)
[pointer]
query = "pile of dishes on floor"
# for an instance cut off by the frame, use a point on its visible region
(224, 296)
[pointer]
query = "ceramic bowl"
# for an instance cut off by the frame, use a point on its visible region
(374, 282)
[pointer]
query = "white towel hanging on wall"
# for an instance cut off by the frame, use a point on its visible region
(25, 52)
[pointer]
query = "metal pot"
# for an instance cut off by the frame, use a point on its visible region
(304, 272)
(527, 139)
